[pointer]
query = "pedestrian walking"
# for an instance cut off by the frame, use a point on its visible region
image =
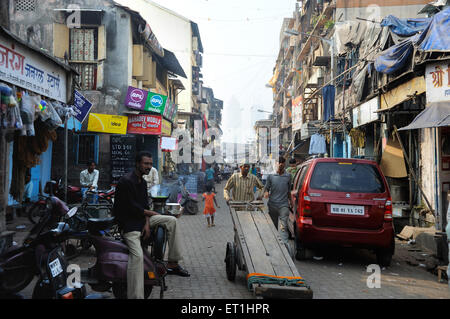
(292, 169)
(210, 177)
(277, 190)
(209, 211)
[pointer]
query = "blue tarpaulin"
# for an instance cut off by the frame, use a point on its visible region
(405, 27)
(395, 58)
(434, 38)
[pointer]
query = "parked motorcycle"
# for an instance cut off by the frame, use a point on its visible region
(189, 205)
(74, 195)
(110, 269)
(40, 255)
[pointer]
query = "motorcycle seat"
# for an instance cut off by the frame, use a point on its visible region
(98, 224)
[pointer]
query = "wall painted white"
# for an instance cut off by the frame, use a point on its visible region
(174, 33)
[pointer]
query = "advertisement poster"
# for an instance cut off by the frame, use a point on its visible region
(105, 123)
(145, 124)
(166, 128)
(81, 106)
(136, 98)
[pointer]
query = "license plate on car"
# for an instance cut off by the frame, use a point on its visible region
(347, 210)
(55, 267)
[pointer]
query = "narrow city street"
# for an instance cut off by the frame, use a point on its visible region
(335, 274)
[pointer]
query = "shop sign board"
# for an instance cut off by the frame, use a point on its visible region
(169, 144)
(402, 92)
(156, 103)
(29, 70)
(145, 124)
(366, 112)
(166, 128)
(437, 77)
(105, 123)
(81, 106)
(143, 100)
(136, 98)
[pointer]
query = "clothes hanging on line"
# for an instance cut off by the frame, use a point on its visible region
(317, 144)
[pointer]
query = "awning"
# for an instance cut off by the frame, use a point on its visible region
(435, 115)
(172, 64)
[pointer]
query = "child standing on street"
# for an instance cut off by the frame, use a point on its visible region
(210, 199)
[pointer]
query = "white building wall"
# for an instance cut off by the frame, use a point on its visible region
(174, 33)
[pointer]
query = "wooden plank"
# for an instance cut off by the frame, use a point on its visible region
(102, 49)
(284, 251)
(273, 244)
(282, 292)
(61, 40)
(138, 60)
(241, 243)
(260, 260)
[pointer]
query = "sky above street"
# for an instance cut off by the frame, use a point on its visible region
(241, 43)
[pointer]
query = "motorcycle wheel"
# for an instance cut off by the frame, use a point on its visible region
(159, 243)
(36, 212)
(16, 280)
(191, 207)
(120, 290)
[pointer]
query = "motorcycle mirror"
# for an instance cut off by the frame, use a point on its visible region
(72, 212)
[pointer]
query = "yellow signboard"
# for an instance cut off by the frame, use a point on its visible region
(105, 123)
(403, 92)
(166, 128)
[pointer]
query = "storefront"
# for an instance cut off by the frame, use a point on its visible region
(34, 89)
(433, 125)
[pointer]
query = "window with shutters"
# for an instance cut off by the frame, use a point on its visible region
(85, 49)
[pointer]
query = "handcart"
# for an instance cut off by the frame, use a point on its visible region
(259, 251)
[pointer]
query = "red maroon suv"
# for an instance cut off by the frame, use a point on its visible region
(343, 202)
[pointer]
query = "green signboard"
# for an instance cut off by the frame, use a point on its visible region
(156, 103)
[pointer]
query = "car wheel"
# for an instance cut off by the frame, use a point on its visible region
(300, 250)
(384, 256)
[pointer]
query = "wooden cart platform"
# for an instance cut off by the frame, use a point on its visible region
(258, 248)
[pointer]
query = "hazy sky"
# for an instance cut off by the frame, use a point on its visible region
(241, 43)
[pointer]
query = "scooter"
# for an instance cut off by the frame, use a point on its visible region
(40, 255)
(110, 269)
(188, 204)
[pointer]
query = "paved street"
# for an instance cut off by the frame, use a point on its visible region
(341, 274)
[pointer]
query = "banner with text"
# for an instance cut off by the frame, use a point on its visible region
(105, 123)
(145, 124)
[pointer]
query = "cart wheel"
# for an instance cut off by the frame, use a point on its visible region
(230, 261)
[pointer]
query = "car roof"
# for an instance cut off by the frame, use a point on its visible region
(340, 160)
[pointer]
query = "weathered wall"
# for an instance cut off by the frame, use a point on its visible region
(116, 78)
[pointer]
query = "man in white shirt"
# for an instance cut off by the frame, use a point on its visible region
(152, 179)
(89, 178)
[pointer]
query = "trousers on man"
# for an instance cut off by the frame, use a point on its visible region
(135, 268)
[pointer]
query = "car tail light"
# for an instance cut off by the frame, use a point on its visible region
(305, 204)
(388, 210)
(68, 295)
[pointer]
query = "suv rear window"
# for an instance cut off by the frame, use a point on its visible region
(347, 177)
